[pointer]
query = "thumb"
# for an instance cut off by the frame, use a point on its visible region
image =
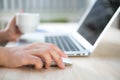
(12, 22)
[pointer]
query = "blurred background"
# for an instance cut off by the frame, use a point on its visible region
(50, 10)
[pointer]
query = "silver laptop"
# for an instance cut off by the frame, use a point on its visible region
(82, 42)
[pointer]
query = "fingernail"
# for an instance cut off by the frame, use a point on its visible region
(62, 65)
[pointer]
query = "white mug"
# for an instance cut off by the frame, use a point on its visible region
(27, 22)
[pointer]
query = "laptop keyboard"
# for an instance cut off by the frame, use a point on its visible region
(63, 42)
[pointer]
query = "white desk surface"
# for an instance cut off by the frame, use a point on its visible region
(103, 64)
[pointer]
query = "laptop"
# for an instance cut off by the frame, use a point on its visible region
(97, 19)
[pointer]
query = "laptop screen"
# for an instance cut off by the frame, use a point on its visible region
(97, 19)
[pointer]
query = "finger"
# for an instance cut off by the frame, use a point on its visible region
(18, 31)
(14, 26)
(62, 54)
(57, 59)
(34, 60)
(48, 60)
(12, 21)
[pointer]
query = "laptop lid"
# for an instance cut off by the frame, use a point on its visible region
(95, 22)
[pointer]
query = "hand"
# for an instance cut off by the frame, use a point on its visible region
(12, 32)
(33, 54)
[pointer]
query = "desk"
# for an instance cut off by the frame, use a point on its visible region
(103, 64)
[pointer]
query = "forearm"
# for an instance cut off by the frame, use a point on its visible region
(3, 52)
